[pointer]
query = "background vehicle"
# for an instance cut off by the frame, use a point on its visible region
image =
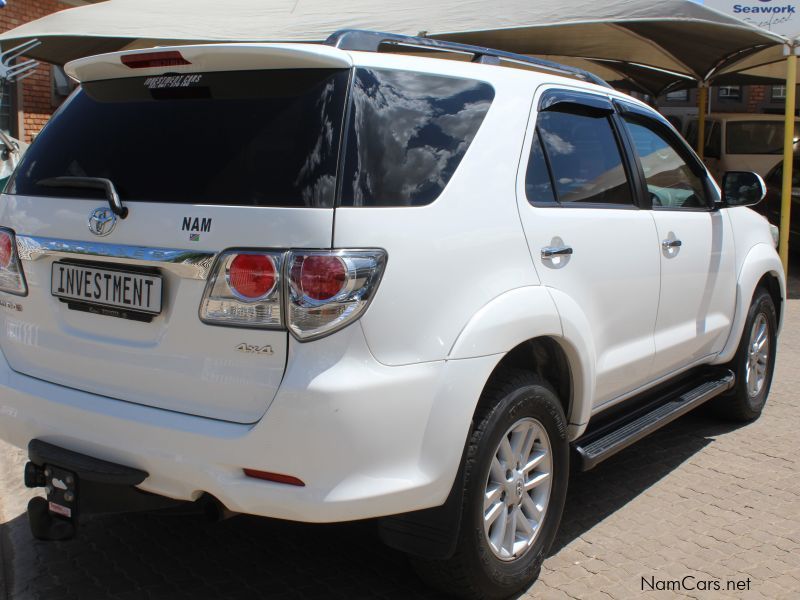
(406, 288)
(771, 207)
(11, 152)
(740, 142)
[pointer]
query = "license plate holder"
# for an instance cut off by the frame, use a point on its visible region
(118, 290)
(62, 492)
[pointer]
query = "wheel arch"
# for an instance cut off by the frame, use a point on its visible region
(532, 327)
(543, 330)
(761, 267)
(546, 358)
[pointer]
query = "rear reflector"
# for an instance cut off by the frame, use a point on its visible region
(170, 58)
(276, 477)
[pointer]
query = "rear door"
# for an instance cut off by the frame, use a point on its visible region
(203, 161)
(587, 236)
(698, 279)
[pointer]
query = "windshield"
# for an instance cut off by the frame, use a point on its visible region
(755, 137)
(250, 138)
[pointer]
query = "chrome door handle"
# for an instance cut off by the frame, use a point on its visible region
(551, 251)
(669, 244)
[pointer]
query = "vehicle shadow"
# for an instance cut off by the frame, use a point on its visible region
(596, 494)
(160, 556)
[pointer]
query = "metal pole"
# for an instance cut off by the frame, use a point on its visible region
(702, 100)
(788, 159)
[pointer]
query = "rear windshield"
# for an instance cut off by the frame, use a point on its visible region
(261, 138)
(250, 138)
(754, 137)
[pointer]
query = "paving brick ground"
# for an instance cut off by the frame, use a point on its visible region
(712, 501)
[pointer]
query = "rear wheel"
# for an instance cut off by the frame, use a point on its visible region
(516, 474)
(754, 363)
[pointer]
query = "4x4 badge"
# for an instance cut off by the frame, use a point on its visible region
(102, 221)
(252, 349)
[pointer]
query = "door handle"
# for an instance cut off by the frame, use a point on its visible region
(670, 244)
(552, 251)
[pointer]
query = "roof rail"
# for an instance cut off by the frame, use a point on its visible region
(370, 41)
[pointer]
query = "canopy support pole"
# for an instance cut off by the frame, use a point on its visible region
(702, 102)
(788, 159)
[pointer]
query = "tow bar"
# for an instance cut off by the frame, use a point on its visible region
(78, 485)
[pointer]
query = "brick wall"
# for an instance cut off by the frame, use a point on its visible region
(756, 98)
(36, 95)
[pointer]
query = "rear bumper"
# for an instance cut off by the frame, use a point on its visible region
(368, 440)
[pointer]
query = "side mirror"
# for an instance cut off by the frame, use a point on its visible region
(743, 188)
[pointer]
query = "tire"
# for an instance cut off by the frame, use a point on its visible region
(749, 395)
(518, 407)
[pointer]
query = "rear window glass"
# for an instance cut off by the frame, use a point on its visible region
(538, 186)
(408, 133)
(251, 138)
(754, 137)
(585, 158)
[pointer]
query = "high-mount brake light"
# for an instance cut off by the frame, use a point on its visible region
(12, 278)
(167, 58)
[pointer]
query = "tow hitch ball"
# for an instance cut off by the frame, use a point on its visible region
(44, 524)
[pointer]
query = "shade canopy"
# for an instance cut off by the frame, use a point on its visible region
(676, 35)
(765, 66)
(629, 76)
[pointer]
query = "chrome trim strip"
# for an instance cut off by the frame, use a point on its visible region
(188, 264)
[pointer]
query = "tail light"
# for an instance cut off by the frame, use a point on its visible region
(12, 279)
(324, 290)
(244, 291)
(329, 289)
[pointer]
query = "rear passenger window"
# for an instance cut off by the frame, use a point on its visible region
(407, 135)
(584, 157)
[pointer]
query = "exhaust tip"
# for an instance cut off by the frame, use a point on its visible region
(213, 510)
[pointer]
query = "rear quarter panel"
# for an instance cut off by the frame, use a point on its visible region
(448, 259)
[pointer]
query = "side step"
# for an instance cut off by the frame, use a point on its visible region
(596, 446)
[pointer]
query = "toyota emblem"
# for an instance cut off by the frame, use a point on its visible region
(102, 221)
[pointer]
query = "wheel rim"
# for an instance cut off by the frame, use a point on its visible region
(517, 489)
(757, 356)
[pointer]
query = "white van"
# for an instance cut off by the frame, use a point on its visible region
(740, 142)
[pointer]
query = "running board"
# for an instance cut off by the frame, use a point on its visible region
(596, 446)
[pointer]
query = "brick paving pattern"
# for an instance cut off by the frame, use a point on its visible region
(714, 501)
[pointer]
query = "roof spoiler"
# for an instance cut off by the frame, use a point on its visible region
(200, 58)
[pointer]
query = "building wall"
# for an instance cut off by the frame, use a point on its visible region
(33, 97)
(753, 99)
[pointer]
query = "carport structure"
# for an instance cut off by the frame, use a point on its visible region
(652, 46)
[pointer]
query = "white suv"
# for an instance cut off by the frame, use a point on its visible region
(322, 283)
